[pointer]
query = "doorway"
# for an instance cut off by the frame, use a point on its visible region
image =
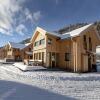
(53, 60)
(43, 58)
(89, 63)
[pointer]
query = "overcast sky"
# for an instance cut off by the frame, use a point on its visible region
(19, 18)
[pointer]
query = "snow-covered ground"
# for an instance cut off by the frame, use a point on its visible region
(47, 85)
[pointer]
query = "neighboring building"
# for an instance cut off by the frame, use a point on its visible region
(18, 51)
(14, 51)
(27, 53)
(73, 51)
(2, 53)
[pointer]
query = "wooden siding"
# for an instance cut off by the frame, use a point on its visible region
(57, 48)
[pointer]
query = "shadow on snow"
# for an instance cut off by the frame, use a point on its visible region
(18, 91)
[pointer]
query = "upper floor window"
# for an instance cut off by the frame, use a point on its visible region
(36, 43)
(42, 41)
(84, 42)
(9, 49)
(90, 44)
(49, 41)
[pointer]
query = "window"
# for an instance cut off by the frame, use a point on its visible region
(42, 41)
(18, 50)
(67, 56)
(49, 41)
(90, 44)
(39, 56)
(43, 56)
(36, 43)
(9, 49)
(84, 42)
(14, 50)
(31, 57)
(94, 58)
(34, 56)
(29, 49)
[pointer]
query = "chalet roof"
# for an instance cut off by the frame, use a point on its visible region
(54, 34)
(76, 32)
(17, 45)
(70, 34)
(67, 35)
(27, 44)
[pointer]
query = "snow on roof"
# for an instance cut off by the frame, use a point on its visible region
(67, 35)
(70, 34)
(17, 45)
(76, 32)
(27, 44)
(54, 34)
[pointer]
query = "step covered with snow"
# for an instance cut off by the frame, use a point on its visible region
(26, 67)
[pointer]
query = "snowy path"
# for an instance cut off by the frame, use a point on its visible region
(56, 83)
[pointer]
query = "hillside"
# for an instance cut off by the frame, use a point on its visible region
(25, 41)
(78, 25)
(97, 25)
(69, 28)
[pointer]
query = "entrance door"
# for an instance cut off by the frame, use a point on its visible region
(57, 59)
(49, 57)
(42, 58)
(89, 63)
(85, 63)
(53, 60)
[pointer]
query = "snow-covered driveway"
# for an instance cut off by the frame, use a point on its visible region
(48, 85)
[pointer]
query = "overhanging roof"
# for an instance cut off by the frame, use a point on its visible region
(67, 35)
(17, 45)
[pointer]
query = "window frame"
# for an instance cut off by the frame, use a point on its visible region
(36, 43)
(42, 41)
(67, 56)
(49, 41)
(90, 44)
(85, 42)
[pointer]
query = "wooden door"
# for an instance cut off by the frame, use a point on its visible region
(53, 59)
(43, 58)
(85, 63)
(89, 63)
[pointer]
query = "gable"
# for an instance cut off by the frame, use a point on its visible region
(92, 33)
(8, 45)
(39, 36)
(37, 31)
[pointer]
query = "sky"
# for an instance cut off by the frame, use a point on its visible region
(19, 18)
